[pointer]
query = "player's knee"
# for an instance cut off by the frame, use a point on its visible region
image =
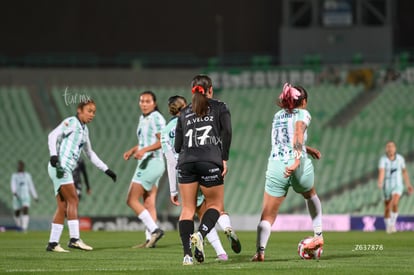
(187, 213)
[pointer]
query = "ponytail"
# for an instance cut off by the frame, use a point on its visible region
(176, 104)
(199, 104)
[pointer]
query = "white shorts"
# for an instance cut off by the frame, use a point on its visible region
(19, 203)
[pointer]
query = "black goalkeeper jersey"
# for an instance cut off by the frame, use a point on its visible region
(205, 138)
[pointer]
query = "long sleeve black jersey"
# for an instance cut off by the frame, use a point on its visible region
(205, 138)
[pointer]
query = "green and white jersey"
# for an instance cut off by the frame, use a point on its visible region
(148, 126)
(283, 130)
(68, 140)
(168, 136)
(167, 146)
(392, 170)
(22, 185)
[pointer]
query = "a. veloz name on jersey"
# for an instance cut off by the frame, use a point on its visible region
(200, 119)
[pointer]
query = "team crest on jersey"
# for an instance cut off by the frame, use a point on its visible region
(172, 134)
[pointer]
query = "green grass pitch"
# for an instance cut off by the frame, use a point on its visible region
(344, 253)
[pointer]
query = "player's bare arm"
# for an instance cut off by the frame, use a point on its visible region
(380, 177)
(407, 181)
(313, 152)
(139, 154)
(298, 140)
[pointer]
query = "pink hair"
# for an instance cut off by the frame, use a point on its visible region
(289, 95)
(289, 91)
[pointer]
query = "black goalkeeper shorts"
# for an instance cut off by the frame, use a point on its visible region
(207, 174)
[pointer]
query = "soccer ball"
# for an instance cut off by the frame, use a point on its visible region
(308, 254)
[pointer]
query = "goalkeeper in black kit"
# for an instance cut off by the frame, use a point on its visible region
(203, 138)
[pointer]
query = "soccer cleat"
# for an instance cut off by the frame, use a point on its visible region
(315, 243)
(234, 241)
(197, 241)
(258, 257)
(199, 255)
(55, 247)
(188, 260)
(155, 236)
(393, 229)
(79, 244)
(222, 258)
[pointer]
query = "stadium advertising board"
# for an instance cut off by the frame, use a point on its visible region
(374, 223)
(304, 223)
(121, 224)
(275, 78)
(283, 223)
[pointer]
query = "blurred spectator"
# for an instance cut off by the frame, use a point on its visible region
(330, 75)
(390, 75)
(22, 187)
(363, 76)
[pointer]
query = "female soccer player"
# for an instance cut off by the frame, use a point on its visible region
(150, 168)
(22, 188)
(175, 105)
(391, 172)
(288, 165)
(66, 143)
(203, 137)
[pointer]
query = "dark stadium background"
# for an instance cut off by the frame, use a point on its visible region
(361, 82)
(108, 28)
